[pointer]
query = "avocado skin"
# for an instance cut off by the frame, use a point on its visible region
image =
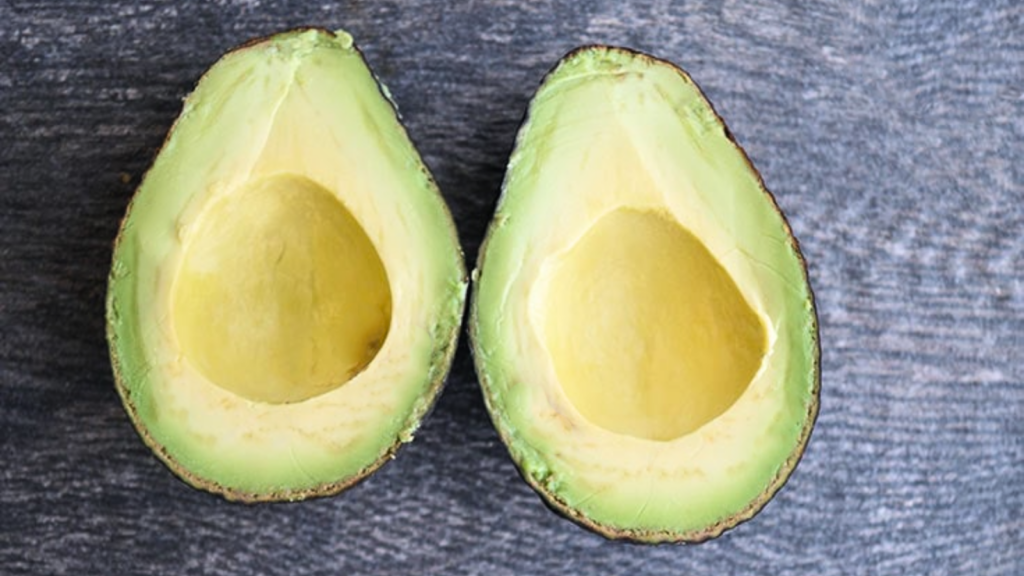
(443, 356)
(548, 497)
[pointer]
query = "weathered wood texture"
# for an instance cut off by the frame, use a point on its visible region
(891, 133)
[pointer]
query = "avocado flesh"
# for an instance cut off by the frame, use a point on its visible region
(287, 286)
(665, 348)
(642, 323)
(288, 249)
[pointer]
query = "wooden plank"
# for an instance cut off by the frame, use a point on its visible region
(890, 132)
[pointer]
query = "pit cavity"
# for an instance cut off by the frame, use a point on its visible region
(280, 296)
(649, 335)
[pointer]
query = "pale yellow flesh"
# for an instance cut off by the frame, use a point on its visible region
(648, 333)
(280, 295)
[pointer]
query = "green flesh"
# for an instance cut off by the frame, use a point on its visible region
(287, 286)
(642, 322)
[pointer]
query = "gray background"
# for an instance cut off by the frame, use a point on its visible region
(890, 132)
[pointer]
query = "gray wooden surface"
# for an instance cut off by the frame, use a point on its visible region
(891, 133)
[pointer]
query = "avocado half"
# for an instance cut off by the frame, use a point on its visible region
(287, 285)
(642, 323)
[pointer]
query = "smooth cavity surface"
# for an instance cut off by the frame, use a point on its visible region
(648, 333)
(281, 296)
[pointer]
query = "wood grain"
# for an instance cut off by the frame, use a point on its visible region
(891, 133)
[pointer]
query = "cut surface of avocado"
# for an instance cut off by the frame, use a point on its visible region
(287, 286)
(642, 322)
(648, 334)
(280, 295)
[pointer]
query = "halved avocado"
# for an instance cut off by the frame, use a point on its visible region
(287, 286)
(642, 323)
